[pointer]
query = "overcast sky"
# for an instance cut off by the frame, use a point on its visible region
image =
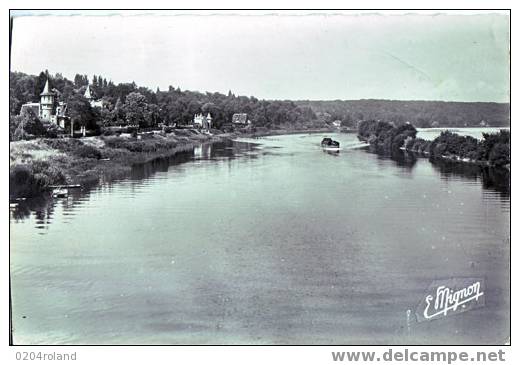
(406, 57)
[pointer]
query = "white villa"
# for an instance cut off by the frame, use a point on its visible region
(203, 122)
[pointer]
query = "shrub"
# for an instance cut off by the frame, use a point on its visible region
(87, 152)
(500, 155)
(108, 132)
(51, 130)
(26, 126)
(22, 182)
(114, 142)
(63, 144)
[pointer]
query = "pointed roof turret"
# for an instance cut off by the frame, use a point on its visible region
(88, 94)
(46, 89)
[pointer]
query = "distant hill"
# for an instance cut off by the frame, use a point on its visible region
(419, 113)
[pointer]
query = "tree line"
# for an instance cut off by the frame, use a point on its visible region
(422, 114)
(494, 149)
(128, 103)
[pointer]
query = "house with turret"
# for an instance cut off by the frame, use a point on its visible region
(49, 109)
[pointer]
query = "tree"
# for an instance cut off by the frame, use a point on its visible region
(80, 80)
(136, 109)
(40, 84)
(14, 120)
(500, 155)
(81, 112)
(119, 113)
(14, 103)
(27, 125)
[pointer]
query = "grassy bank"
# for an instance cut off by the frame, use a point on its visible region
(36, 165)
(493, 150)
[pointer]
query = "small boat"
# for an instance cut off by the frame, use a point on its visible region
(329, 144)
(60, 193)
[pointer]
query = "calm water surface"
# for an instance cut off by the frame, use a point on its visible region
(271, 242)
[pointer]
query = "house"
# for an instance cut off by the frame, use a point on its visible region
(60, 116)
(202, 122)
(240, 118)
(53, 111)
(90, 97)
(337, 123)
(48, 109)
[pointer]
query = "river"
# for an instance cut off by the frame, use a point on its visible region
(265, 241)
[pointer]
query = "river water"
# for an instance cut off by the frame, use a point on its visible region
(265, 241)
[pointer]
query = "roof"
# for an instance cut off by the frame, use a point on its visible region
(239, 118)
(34, 107)
(46, 89)
(88, 95)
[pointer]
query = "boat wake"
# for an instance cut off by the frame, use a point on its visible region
(356, 145)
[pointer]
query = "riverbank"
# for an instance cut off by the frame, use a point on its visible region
(38, 164)
(492, 150)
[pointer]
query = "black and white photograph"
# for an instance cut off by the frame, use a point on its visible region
(259, 178)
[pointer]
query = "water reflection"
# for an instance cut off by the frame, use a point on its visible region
(145, 170)
(332, 153)
(225, 150)
(497, 179)
(401, 158)
(41, 206)
(44, 205)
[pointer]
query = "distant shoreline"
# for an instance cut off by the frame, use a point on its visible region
(493, 150)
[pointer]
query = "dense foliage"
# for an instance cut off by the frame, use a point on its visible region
(384, 135)
(25, 126)
(423, 114)
(128, 104)
(493, 149)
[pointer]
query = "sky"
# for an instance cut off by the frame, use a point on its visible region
(316, 57)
